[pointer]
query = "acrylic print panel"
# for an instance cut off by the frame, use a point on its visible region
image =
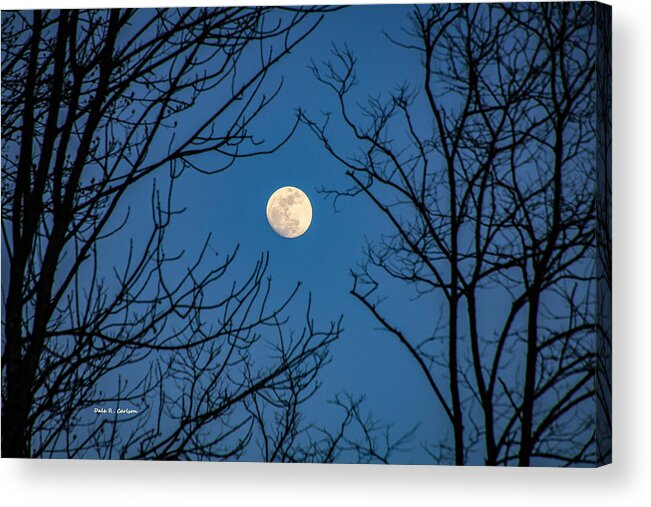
(369, 234)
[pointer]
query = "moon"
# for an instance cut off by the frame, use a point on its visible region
(289, 212)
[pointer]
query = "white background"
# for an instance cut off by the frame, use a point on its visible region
(626, 482)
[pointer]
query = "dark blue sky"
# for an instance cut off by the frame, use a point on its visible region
(231, 207)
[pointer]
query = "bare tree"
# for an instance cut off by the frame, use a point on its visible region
(485, 170)
(205, 365)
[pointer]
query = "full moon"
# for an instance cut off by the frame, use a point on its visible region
(289, 212)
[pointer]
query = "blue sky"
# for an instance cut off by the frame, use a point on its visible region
(231, 207)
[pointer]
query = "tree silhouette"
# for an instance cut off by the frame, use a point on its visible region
(486, 171)
(90, 104)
